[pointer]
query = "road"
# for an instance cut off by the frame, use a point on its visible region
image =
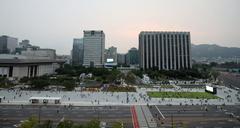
(180, 116)
(10, 115)
(195, 116)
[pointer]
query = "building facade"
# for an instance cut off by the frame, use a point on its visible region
(165, 50)
(41, 53)
(132, 57)
(94, 46)
(8, 44)
(121, 59)
(18, 68)
(24, 44)
(111, 55)
(77, 52)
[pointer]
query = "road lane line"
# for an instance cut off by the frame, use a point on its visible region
(160, 112)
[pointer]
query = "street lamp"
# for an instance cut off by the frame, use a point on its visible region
(39, 114)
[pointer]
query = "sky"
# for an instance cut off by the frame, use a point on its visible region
(54, 23)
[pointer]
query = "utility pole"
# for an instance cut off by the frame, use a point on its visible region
(39, 114)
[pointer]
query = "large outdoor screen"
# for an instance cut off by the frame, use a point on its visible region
(110, 60)
(209, 88)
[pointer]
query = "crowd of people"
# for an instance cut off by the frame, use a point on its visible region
(18, 96)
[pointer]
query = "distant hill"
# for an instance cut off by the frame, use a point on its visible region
(213, 50)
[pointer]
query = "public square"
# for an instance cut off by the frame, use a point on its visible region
(129, 108)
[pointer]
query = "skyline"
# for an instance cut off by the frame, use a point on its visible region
(55, 22)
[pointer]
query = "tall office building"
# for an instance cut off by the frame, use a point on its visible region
(165, 50)
(132, 57)
(111, 55)
(94, 46)
(77, 52)
(121, 59)
(8, 44)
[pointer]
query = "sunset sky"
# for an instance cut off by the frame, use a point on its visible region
(54, 23)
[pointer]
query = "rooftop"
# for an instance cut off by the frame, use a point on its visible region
(28, 61)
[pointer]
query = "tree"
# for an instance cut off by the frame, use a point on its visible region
(130, 78)
(215, 74)
(93, 124)
(69, 84)
(117, 125)
(46, 124)
(30, 123)
(138, 73)
(213, 64)
(39, 83)
(65, 124)
(24, 80)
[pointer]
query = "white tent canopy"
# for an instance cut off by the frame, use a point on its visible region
(45, 98)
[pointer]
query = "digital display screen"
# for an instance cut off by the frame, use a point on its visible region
(210, 89)
(110, 60)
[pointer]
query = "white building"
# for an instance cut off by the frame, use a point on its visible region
(94, 46)
(165, 50)
(18, 67)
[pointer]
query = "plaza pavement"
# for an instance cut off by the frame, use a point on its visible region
(78, 98)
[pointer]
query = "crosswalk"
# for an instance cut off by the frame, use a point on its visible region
(144, 117)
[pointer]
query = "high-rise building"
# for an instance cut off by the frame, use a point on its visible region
(165, 50)
(8, 44)
(111, 55)
(94, 46)
(121, 59)
(132, 57)
(77, 52)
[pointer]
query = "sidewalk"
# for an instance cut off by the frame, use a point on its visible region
(229, 97)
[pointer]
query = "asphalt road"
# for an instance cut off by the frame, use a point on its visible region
(10, 115)
(196, 116)
(179, 116)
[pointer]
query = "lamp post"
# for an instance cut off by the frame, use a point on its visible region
(39, 114)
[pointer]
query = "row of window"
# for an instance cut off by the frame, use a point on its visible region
(165, 51)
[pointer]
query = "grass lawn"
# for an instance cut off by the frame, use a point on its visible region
(150, 86)
(192, 95)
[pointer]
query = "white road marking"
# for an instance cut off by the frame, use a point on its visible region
(160, 112)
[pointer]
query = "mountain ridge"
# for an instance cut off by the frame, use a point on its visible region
(214, 50)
